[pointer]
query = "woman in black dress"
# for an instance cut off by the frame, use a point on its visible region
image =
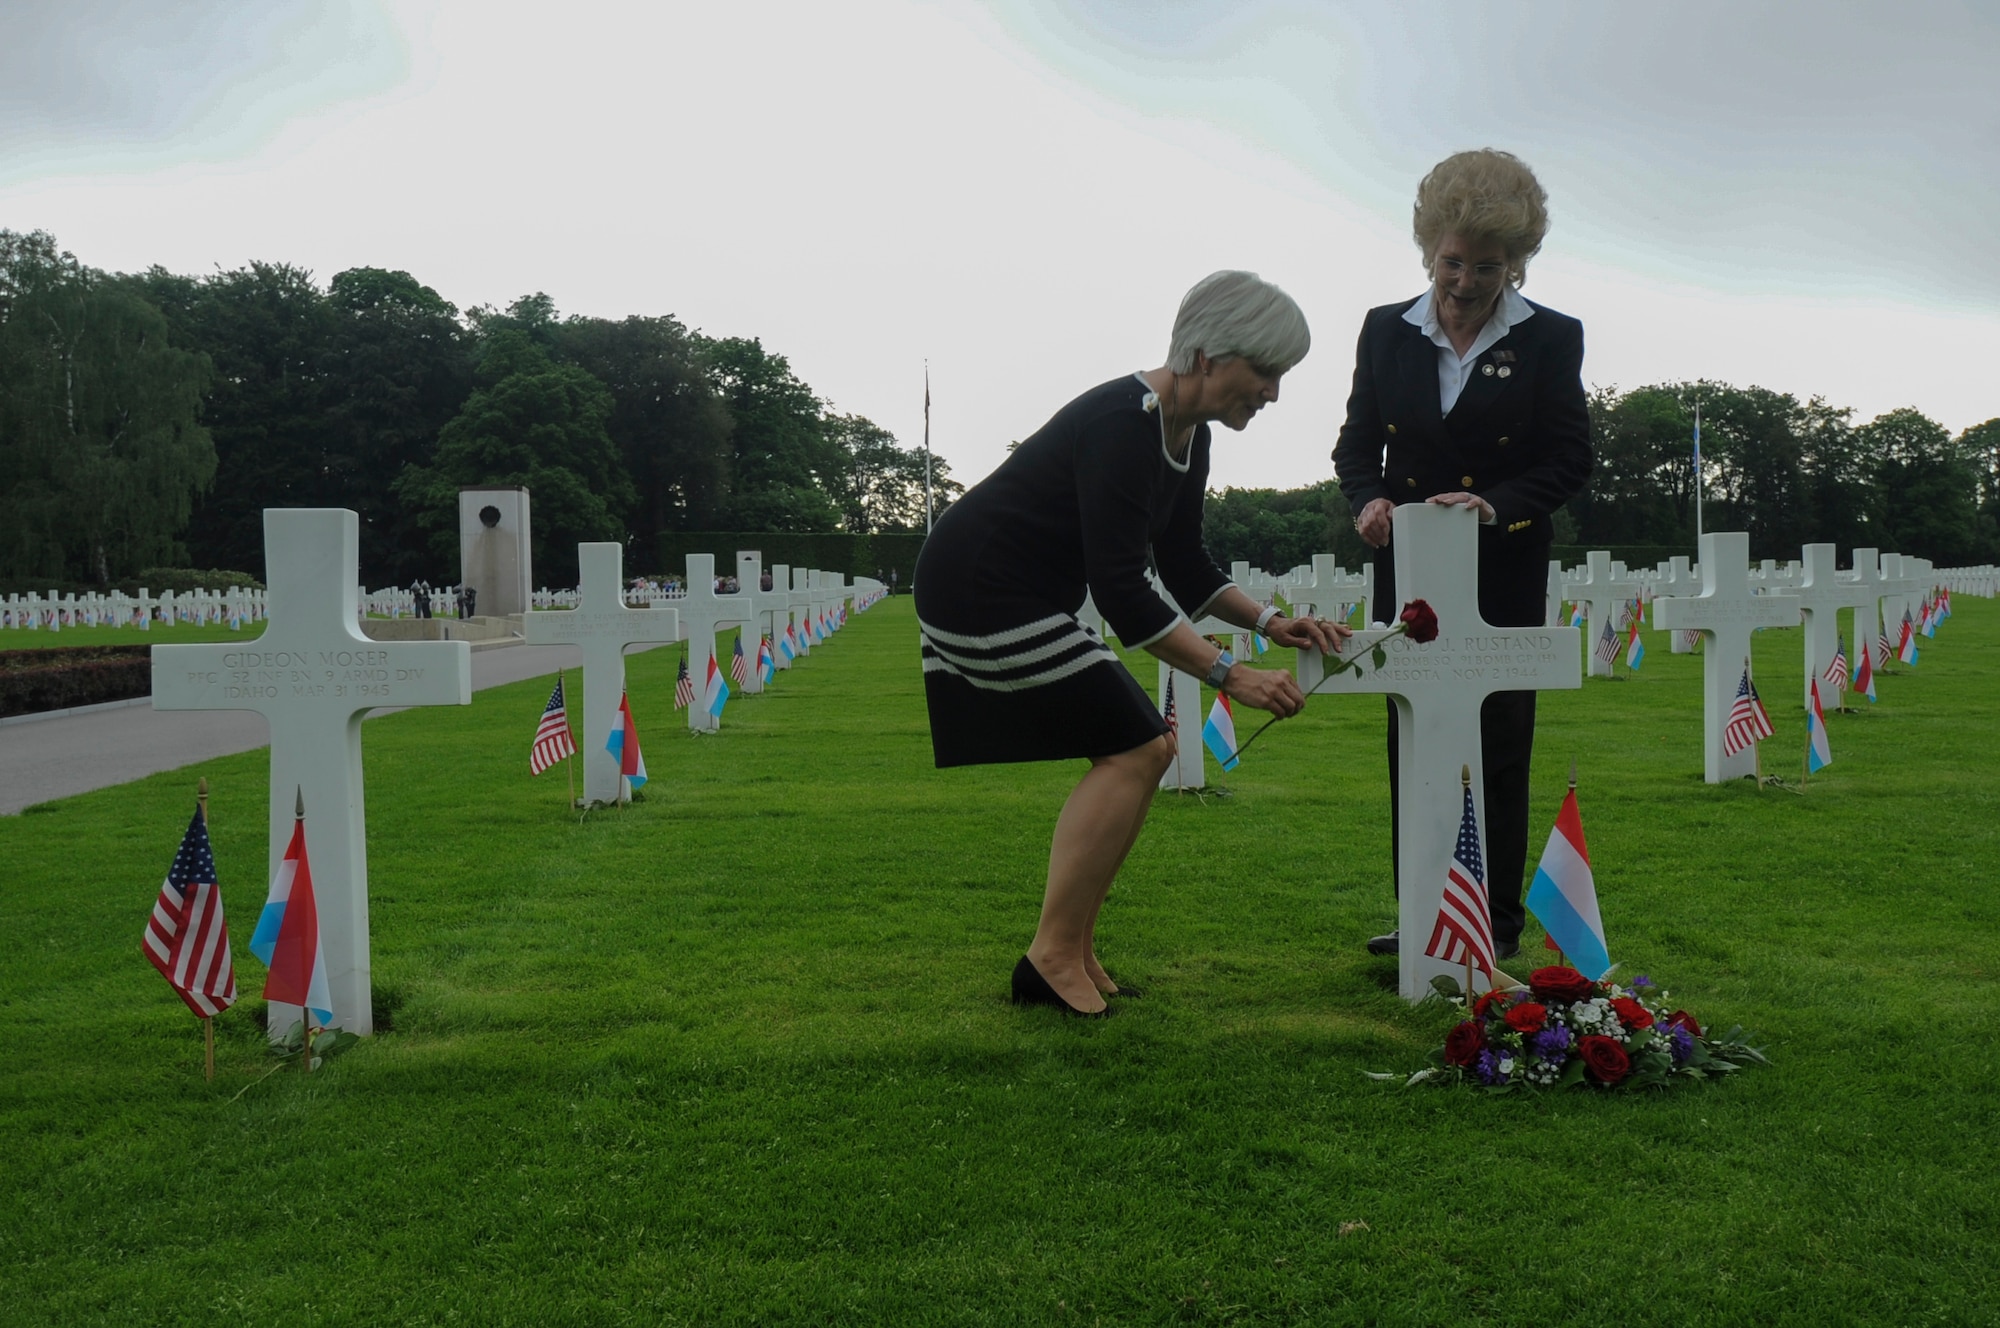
(1010, 674)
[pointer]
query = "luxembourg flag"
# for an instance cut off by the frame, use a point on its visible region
(1564, 895)
(1906, 649)
(1819, 753)
(287, 935)
(785, 644)
(1220, 733)
(1576, 615)
(624, 742)
(1864, 676)
(1635, 649)
(766, 666)
(718, 689)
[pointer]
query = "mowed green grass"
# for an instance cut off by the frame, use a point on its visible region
(742, 1054)
(158, 635)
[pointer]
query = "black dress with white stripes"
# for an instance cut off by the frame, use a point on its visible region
(1010, 673)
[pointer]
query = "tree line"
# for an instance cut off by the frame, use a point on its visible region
(148, 419)
(1789, 472)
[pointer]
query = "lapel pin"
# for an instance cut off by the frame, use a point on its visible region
(1503, 357)
(1504, 371)
(1486, 369)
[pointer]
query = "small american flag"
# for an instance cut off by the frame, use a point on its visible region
(1836, 672)
(1748, 720)
(683, 687)
(1607, 644)
(1884, 648)
(552, 736)
(739, 664)
(1167, 711)
(1464, 930)
(188, 939)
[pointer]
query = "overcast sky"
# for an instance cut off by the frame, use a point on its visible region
(1804, 196)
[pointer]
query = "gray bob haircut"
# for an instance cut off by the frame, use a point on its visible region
(1230, 314)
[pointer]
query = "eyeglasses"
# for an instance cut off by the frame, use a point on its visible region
(1453, 267)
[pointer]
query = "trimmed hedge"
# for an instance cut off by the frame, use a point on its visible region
(1632, 555)
(829, 551)
(32, 681)
(180, 580)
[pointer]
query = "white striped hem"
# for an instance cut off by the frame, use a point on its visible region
(939, 664)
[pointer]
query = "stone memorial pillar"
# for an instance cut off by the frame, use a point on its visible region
(494, 549)
(314, 677)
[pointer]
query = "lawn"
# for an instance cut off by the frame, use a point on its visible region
(742, 1054)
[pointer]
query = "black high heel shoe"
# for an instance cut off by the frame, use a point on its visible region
(1031, 988)
(1124, 989)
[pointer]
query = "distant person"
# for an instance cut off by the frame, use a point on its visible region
(764, 582)
(1470, 395)
(468, 596)
(1010, 674)
(420, 596)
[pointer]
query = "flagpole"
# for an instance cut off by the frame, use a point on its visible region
(207, 1021)
(305, 1011)
(927, 447)
(1756, 743)
(569, 762)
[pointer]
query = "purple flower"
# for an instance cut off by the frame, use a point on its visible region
(1487, 1068)
(1641, 981)
(1683, 1042)
(1551, 1044)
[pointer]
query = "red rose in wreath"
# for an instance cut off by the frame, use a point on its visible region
(1420, 621)
(1464, 1043)
(1604, 1058)
(1527, 1017)
(1682, 1019)
(1631, 1013)
(1556, 983)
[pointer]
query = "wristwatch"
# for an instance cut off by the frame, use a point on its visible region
(1218, 672)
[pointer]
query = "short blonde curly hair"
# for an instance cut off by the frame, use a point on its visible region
(1483, 194)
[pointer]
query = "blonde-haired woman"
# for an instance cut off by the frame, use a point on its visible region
(1472, 395)
(1010, 674)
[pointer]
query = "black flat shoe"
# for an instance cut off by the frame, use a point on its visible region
(1031, 988)
(1385, 944)
(1124, 989)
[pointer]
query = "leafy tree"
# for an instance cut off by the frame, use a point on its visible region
(881, 486)
(1926, 489)
(396, 367)
(671, 427)
(530, 422)
(1754, 464)
(784, 465)
(1277, 529)
(265, 328)
(101, 451)
(1641, 489)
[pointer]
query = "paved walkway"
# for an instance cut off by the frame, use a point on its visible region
(57, 758)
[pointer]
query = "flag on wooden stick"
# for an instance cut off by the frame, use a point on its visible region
(1748, 720)
(287, 935)
(552, 736)
(1464, 930)
(188, 938)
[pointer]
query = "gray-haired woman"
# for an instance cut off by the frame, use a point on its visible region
(1010, 674)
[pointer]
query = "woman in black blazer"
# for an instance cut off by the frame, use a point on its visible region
(1471, 395)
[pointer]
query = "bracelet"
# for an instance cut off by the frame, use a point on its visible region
(1264, 618)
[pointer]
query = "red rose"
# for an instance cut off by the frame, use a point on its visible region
(1463, 1044)
(1420, 621)
(1527, 1017)
(1682, 1019)
(1556, 983)
(1631, 1013)
(1604, 1058)
(1484, 1003)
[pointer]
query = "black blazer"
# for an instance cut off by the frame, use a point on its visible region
(1520, 439)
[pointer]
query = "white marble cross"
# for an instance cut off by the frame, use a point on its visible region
(802, 602)
(1822, 594)
(1439, 688)
(765, 605)
(702, 613)
(314, 677)
(1185, 772)
(1604, 589)
(1726, 612)
(1677, 577)
(603, 626)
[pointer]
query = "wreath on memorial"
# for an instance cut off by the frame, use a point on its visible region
(1563, 1029)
